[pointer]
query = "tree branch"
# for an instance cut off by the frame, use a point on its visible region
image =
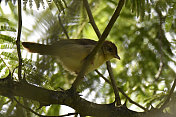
(112, 20)
(27, 108)
(101, 75)
(73, 100)
(103, 37)
(114, 85)
(63, 28)
(91, 19)
(169, 96)
(130, 100)
(18, 39)
(160, 37)
(99, 44)
(121, 91)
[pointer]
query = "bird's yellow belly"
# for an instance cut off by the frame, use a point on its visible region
(97, 62)
(74, 64)
(70, 64)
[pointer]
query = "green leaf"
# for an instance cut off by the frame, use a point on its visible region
(7, 28)
(170, 17)
(2, 19)
(53, 110)
(5, 38)
(10, 56)
(7, 46)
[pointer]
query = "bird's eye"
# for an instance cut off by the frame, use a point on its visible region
(110, 49)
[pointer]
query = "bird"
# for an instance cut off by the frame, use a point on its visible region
(71, 53)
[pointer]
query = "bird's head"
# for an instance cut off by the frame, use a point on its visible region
(110, 50)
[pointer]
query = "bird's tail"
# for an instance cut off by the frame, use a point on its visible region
(37, 48)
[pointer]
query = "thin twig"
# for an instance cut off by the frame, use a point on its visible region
(98, 46)
(121, 91)
(159, 71)
(160, 37)
(104, 35)
(130, 100)
(106, 80)
(18, 39)
(5, 64)
(169, 96)
(99, 35)
(62, 115)
(117, 97)
(114, 85)
(112, 20)
(91, 19)
(63, 28)
(76, 115)
(29, 109)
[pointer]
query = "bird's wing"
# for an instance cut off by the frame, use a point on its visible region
(75, 41)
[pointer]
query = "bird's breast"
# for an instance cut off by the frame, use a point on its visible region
(97, 62)
(72, 58)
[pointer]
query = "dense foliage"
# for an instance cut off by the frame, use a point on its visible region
(144, 34)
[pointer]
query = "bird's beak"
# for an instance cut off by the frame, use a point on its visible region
(116, 56)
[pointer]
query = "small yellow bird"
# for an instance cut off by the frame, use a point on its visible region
(71, 53)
